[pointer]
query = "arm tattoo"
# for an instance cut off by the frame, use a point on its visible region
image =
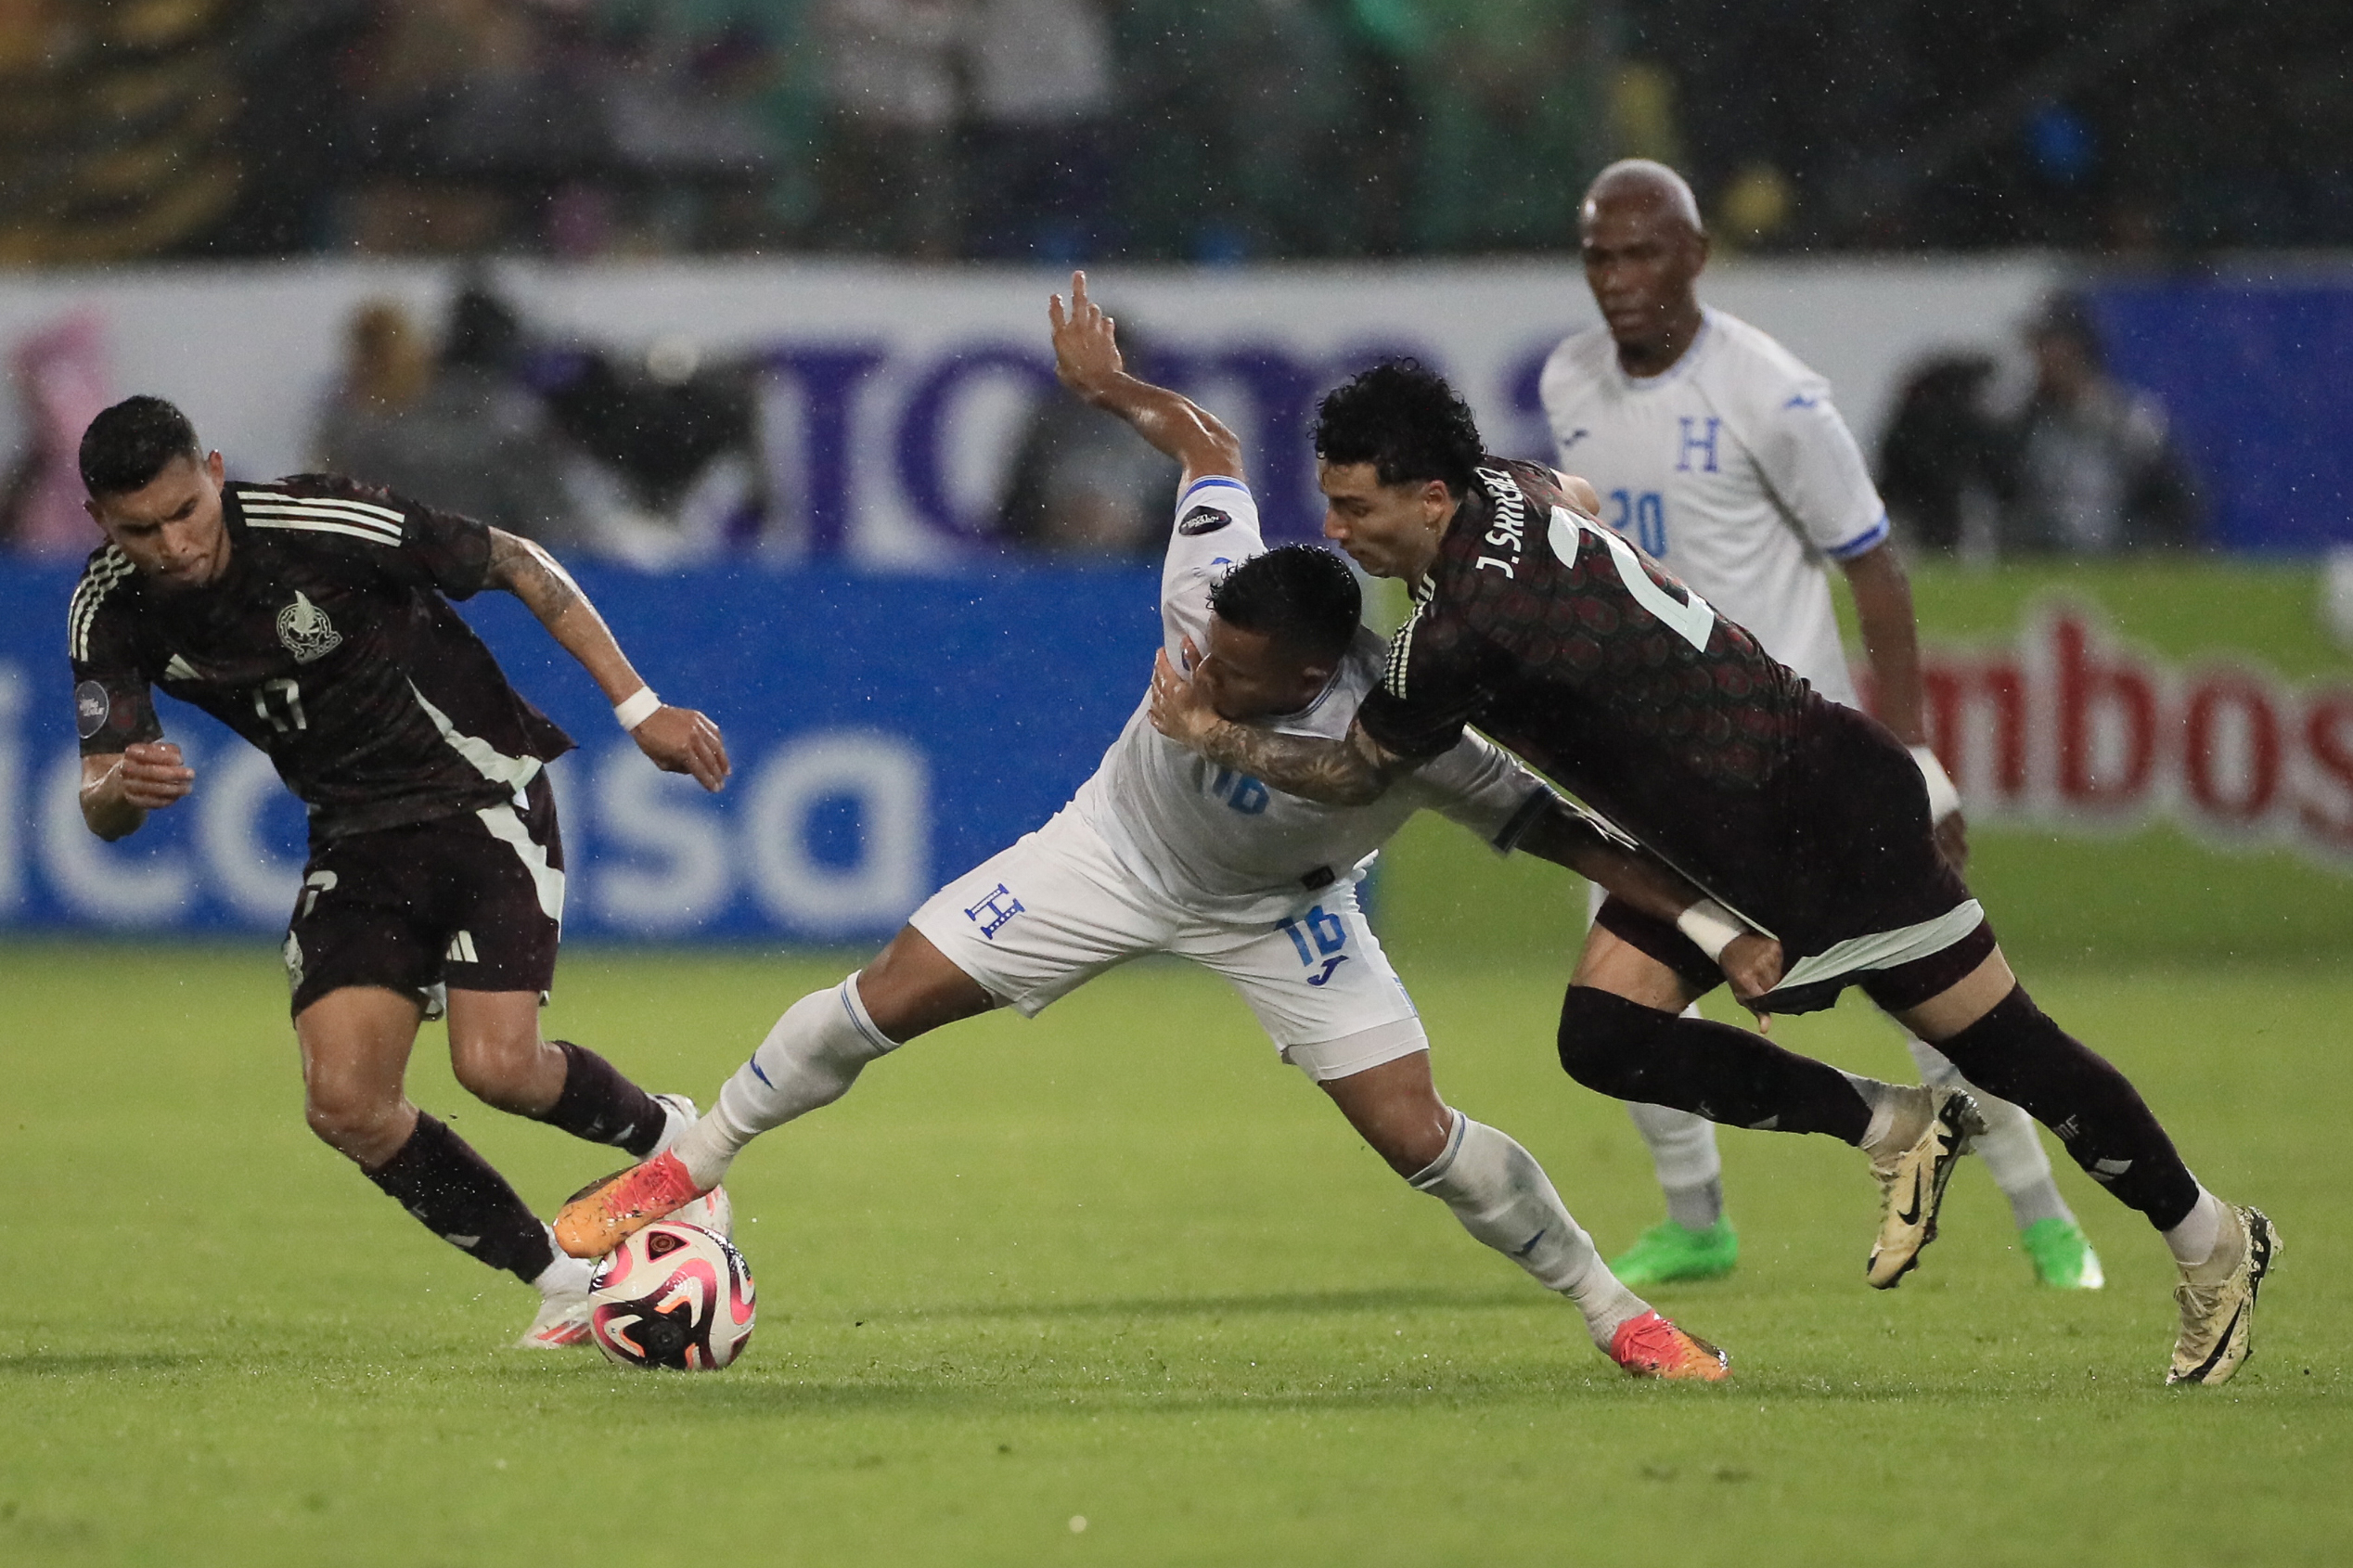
(1354, 770)
(532, 575)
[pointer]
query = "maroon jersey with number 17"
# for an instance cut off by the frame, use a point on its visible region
(328, 642)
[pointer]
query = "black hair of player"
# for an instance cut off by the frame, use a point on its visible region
(1402, 418)
(130, 444)
(1301, 595)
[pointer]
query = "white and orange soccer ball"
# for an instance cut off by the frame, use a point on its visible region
(675, 1294)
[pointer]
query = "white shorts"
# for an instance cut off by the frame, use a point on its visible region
(1036, 921)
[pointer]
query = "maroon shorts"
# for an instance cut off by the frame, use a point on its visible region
(473, 902)
(1894, 990)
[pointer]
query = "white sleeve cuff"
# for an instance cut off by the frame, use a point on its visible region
(1943, 799)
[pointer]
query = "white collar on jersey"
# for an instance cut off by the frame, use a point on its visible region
(1675, 371)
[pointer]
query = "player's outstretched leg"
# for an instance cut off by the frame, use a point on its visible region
(810, 1059)
(1502, 1196)
(356, 1043)
(2012, 1149)
(2224, 1251)
(1633, 1053)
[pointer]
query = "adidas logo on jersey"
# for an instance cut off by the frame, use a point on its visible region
(305, 630)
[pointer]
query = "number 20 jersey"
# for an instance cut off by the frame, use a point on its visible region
(1733, 470)
(329, 643)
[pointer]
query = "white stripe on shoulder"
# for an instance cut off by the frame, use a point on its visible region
(326, 510)
(389, 514)
(97, 580)
(300, 507)
(1401, 655)
(321, 525)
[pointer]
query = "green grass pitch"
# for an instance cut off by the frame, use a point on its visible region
(1118, 1264)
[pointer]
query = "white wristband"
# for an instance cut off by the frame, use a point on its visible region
(1943, 799)
(1711, 928)
(635, 707)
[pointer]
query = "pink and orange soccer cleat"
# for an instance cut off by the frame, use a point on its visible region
(1650, 1346)
(599, 1219)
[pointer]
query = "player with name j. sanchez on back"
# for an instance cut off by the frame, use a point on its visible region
(312, 617)
(1804, 821)
(1159, 853)
(1716, 450)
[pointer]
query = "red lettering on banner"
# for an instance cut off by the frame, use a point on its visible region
(2086, 689)
(2328, 734)
(2209, 749)
(2068, 727)
(1951, 689)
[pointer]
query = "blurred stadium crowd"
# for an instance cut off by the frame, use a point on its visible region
(1179, 130)
(1136, 130)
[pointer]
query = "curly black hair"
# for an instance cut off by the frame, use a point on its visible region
(1302, 597)
(1403, 419)
(130, 444)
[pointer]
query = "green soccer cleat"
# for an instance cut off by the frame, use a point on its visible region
(2063, 1255)
(1667, 1255)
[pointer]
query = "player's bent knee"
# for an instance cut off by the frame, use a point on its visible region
(911, 988)
(362, 1127)
(500, 1071)
(1597, 1033)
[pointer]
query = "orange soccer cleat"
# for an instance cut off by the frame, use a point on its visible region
(1650, 1346)
(599, 1219)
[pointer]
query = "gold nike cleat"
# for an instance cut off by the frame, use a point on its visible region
(600, 1219)
(2218, 1315)
(1911, 1185)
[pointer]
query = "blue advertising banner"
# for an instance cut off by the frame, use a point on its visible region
(2254, 378)
(887, 731)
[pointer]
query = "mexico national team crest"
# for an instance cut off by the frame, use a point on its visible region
(305, 630)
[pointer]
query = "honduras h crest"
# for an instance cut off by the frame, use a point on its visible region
(305, 630)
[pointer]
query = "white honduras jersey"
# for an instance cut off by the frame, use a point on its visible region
(1226, 845)
(1732, 469)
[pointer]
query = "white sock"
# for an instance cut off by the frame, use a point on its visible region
(1887, 1101)
(565, 1277)
(2010, 1145)
(1502, 1197)
(810, 1059)
(2193, 1240)
(1683, 1152)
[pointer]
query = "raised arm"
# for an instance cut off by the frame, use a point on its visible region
(1087, 360)
(677, 739)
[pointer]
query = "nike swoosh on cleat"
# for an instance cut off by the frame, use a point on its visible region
(1912, 1216)
(2221, 1346)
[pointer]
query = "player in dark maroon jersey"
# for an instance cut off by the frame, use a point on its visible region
(1805, 822)
(312, 616)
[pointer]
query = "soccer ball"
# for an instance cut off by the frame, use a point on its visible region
(672, 1295)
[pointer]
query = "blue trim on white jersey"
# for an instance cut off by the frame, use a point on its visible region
(1208, 479)
(1867, 539)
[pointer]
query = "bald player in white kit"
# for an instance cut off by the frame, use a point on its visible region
(1720, 453)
